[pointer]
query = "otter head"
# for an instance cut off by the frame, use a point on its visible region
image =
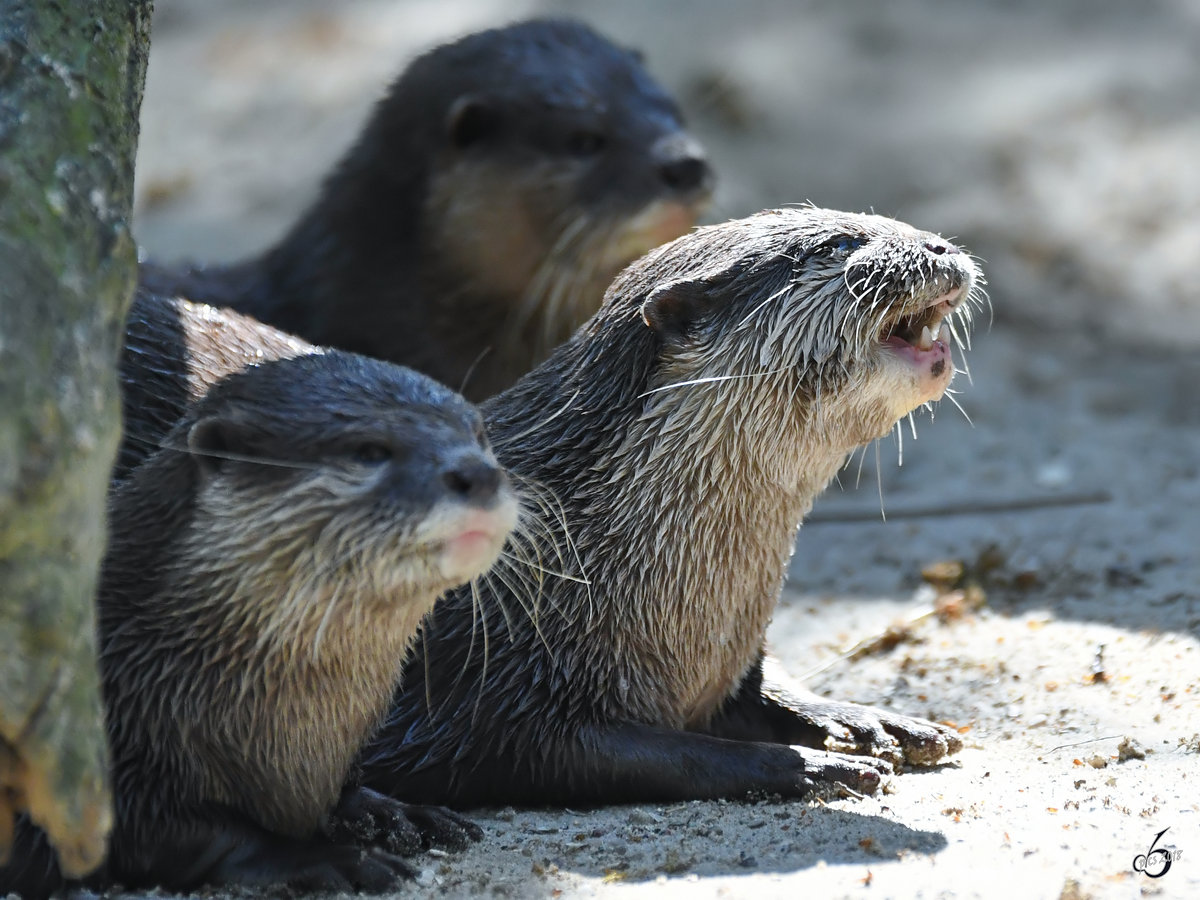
(334, 481)
(561, 161)
(845, 319)
(690, 425)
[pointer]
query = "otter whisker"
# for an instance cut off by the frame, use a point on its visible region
(524, 575)
(508, 439)
(559, 512)
(545, 571)
(517, 554)
(477, 616)
(862, 457)
(949, 395)
(508, 623)
(530, 615)
(228, 455)
(711, 380)
(966, 367)
(547, 282)
(879, 481)
(767, 302)
(486, 659)
(966, 334)
(535, 530)
(471, 368)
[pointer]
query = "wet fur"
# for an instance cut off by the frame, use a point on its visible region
(253, 615)
(685, 431)
(261, 590)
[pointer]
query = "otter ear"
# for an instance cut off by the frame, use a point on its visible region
(214, 439)
(671, 308)
(471, 119)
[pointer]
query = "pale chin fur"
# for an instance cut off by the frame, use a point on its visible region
(469, 539)
(917, 374)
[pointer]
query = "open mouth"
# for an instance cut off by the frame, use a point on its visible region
(925, 330)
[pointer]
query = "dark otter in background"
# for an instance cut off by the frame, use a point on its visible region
(682, 433)
(266, 572)
(475, 223)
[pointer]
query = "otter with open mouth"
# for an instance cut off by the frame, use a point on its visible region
(679, 438)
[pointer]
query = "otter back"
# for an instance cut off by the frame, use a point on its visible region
(495, 191)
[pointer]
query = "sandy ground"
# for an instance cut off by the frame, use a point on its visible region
(1057, 140)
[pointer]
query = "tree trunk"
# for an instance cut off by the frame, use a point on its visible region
(71, 74)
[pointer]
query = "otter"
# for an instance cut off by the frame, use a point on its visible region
(266, 572)
(679, 438)
(493, 194)
(173, 352)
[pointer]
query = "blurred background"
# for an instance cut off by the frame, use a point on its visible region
(1057, 139)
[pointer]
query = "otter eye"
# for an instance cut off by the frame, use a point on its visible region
(586, 143)
(371, 453)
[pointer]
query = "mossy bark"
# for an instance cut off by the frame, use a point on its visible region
(71, 75)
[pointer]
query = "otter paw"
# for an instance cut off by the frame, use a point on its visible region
(851, 728)
(368, 818)
(824, 770)
(369, 871)
(441, 827)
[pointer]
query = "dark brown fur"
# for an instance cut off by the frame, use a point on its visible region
(678, 439)
(267, 568)
(496, 190)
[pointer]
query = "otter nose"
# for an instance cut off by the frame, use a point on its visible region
(473, 478)
(682, 163)
(686, 174)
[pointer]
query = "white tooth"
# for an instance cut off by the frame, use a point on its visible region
(943, 334)
(926, 342)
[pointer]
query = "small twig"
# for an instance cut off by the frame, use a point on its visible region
(874, 642)
(962, 508)
(1111, 737)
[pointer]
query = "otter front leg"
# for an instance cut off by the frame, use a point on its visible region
(365, 817)
(770, 706)
(628, 762)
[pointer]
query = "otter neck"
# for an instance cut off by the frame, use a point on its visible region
(721, 473)
(730, 517)
(313, 673)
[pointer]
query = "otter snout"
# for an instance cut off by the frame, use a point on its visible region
(473, 477)
(683, 165)
(475, 515)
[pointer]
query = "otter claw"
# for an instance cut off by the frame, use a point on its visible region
(850, 728)
(825, 769)
(368, 818)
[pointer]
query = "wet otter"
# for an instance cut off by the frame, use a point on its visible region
(494, 193)
(682, 434)
(174, 351)
(266, 572)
